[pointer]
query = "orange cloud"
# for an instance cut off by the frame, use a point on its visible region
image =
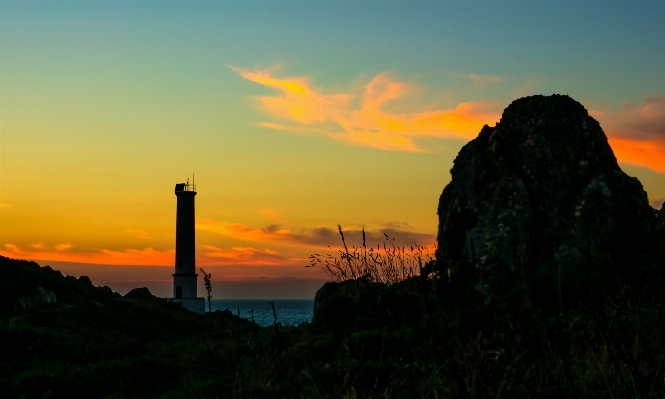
(63, 247)
(6, 206)
(646, 153)
(269, 213)
(242, 232)
(321, 237)
(208, 255)
(14, 250)
(371, 124)
(240, 255)
(637, 133)
(299, 102)
(134, 257)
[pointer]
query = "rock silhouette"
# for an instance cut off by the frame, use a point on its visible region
(142, 293)
(27, 285)
(539, 207)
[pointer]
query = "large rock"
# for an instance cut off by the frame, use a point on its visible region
(539, 204)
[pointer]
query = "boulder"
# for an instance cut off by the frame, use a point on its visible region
(361, 303)
(85, 280)
(140, 293)
(538, 206)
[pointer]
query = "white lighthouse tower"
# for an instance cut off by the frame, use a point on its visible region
(184, 278)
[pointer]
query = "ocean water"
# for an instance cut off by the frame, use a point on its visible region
(290, 312)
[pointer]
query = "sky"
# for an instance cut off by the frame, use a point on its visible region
(292, 117)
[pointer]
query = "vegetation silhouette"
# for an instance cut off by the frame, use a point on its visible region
(207, 279)
(522, 322)
(388, 264)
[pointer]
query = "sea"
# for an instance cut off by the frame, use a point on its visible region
(290, 312)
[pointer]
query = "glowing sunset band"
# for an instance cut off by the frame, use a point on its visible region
(133, 257)
(211, 256)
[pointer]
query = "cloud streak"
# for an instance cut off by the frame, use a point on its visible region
(241, 256)
(272, 245)
(364, 118)
(243, 232)
(271, 214)
(207, 255)
(485, 78)
(637, 133)
(134, 257)
(319, 237)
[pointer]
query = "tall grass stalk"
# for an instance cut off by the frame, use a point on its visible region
(387, 264)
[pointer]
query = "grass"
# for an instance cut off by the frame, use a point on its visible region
(388, 264)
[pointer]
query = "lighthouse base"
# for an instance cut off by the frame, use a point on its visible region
(196, 305)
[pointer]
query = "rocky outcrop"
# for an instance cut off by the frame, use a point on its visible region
(538, 203)
(39, 297)
(26, 284)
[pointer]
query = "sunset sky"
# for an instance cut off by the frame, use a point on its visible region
(294, 116)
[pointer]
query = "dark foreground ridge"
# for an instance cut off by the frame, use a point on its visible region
(548, 283)
(62, 337)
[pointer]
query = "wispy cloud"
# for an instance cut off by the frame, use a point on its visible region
(12, 249)
(241, 231)
(6, 206)
(395, 225)
(370, 123)
(324, 236)
(530, 87)
(146, 256)
(637, 133)
(242, 255)
(477, 78)
(318, 237)
(271, 214)
(299, 101)
(485, 78)
(207, 255)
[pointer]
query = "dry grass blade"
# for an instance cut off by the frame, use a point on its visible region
(388, 264)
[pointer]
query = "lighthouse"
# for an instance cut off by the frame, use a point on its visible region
(184, 278)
